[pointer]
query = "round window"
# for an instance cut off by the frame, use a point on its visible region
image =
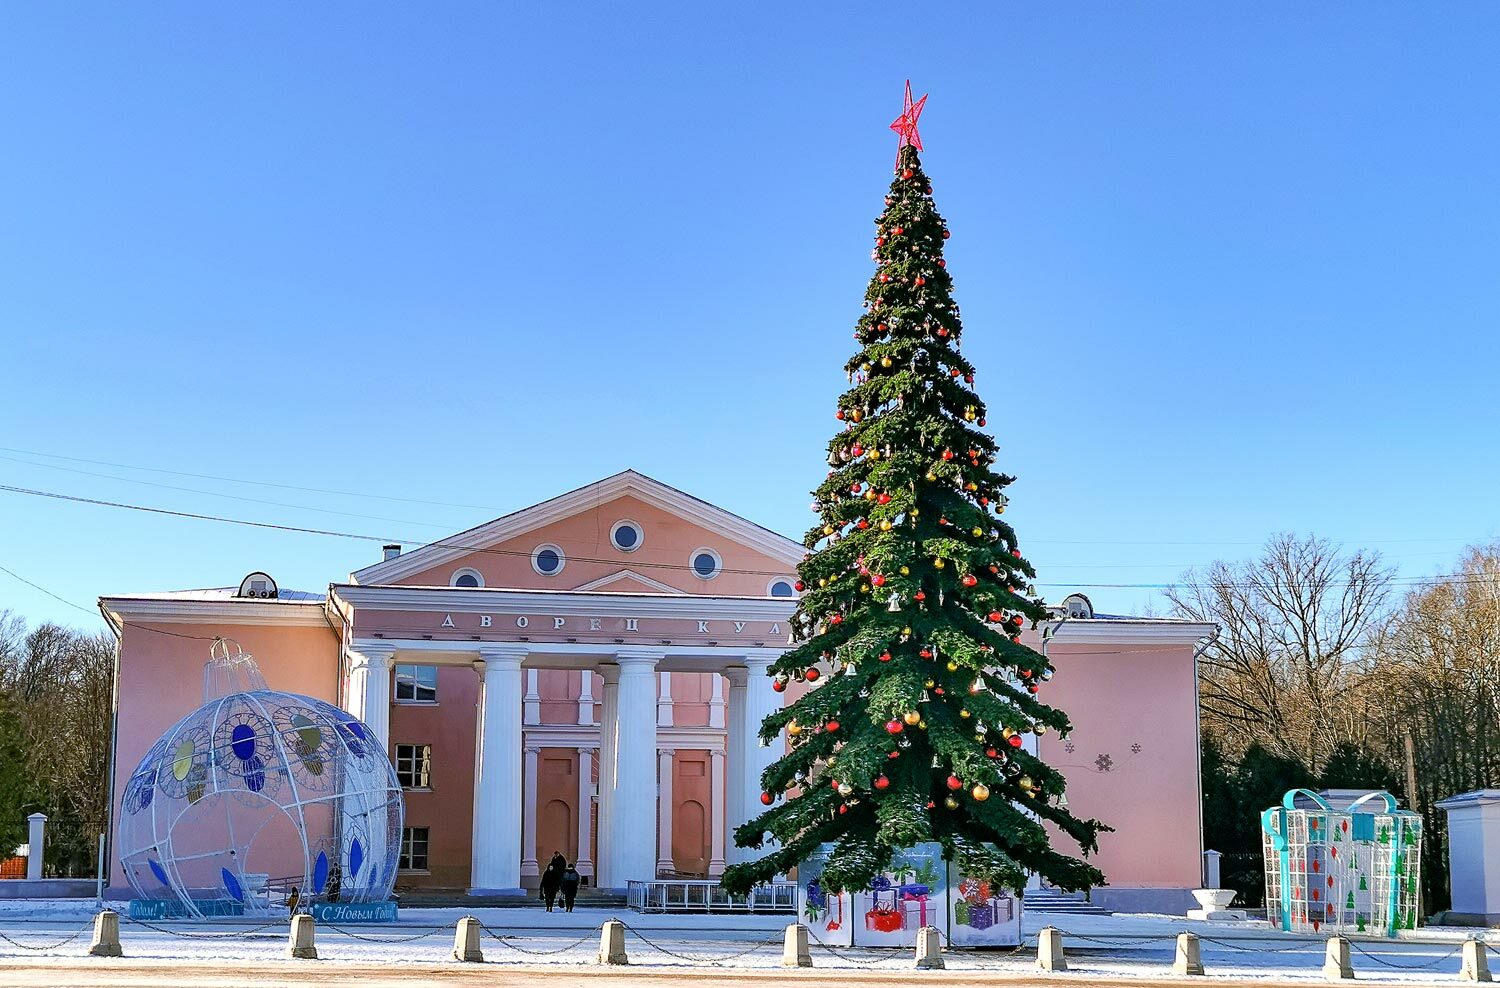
(626, 536)
(706, 564)
(782, 588)
(548, 560)
(467, 578)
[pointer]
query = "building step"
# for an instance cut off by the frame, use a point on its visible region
(1072, 903)
(452, 899)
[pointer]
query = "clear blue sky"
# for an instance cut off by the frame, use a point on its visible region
(1225, 269)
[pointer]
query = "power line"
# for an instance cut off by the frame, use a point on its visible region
(94, 613)
(446, 544)
(484, 507)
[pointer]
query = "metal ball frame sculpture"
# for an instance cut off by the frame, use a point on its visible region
(240, 794)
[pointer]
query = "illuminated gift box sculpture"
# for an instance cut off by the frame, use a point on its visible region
(257, 793)
(1352, 870)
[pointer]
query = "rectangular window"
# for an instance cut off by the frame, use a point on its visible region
(413, 849)
(414, 765)
(416, 684)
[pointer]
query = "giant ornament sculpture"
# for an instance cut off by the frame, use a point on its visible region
(260, 799)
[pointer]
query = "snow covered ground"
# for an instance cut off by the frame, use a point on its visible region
(1132, 946)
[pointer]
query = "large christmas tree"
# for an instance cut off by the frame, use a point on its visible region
(914, 597)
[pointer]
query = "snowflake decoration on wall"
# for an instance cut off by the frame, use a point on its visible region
(1070, 747)
(1135, 749)
(1104, 763)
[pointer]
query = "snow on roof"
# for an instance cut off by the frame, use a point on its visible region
(218, 594)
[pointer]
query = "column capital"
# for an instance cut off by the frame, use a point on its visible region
(500, 655)
(668, 751)
(738, 677)
(759, 659)
(643, 659)
(587, 749)
(532, 749)
(372, 655)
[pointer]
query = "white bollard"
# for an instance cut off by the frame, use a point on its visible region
(1476, 966)
(106, 934)
(299, 939)
(794, 951)
(466, 941)
(1189, 958)
(612, 943)
(1336, 965)
(929, 949)
(1049, 950)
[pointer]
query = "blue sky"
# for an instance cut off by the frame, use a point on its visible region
(1225, 270)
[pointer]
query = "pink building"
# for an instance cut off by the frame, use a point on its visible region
(586, 675)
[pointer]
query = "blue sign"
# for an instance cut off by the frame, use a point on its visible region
(355, 912)
(149, 909)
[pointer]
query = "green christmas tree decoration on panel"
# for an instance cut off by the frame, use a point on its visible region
(914, 596)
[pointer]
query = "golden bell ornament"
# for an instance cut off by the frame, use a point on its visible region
(980, 792)
(912, 717)
(832, 759)
(864, 588)
(950, 802)
(929, 684)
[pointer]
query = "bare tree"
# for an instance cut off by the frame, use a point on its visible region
(1287, 670)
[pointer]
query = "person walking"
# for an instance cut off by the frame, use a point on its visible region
(552, 878)
(570, 882)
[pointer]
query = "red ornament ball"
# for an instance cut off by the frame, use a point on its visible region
(1016, 619)
(831, 726)
(996, 617)
(991, 753)
(881, 782)
(799, 586)
(779, 685)
(767, 798)
(970, 579)
(946, 234)
(919, 595)
(1015, 740)
(877, 580)
(894, 726)
(836, 619)
(955, 783)
(843, 808)
(906, 173)
(812, 674)
(885, 656)
(947, 454)
(839, 415)
(882, 499)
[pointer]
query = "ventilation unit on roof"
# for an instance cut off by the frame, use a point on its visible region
(1078, 606)
(257, 585)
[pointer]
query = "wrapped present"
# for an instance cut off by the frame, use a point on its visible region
(885, 915)
(982, 917)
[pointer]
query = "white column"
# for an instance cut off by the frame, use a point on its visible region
(633, 797)
(608, 728)
(531, 707)
(716, 824)
(716, 703)
(586, 698)
(368, 695)
(664, 760)
(664, 700)
(585, 809)
(497, 774)
(36, 845)
(760, 701)
(736, 740)
(528, 813)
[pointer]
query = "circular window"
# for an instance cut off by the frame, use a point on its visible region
(466, 577)
(627, 536)
(706, 564)
(548, 560)
(781, 588)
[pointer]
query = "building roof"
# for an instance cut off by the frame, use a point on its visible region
(627, 482)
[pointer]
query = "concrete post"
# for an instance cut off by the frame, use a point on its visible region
(794, 952)
(612, 943)
(300, 941)
(1476, 962)
(1189, 959)
(106, 934)
(1211, 871)
(929, 949)
(1336, 965)
(36, 825)
(1049, 950)
(466, 941)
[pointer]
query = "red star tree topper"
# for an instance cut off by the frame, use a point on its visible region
(914, 597)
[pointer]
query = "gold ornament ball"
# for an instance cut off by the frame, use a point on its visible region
(827, 529)
(864, 588)
(885, 524)
(822, 581)
(929, 684)
(950, 802)
(1039, 729)
(938, 563)
(1026, 782)
(885, 361)
(952, 666)
(912, 717)
(921, 725)
(870, 491)
(845, 789)
(874, 454)
(831, 760)
(978, 532)
(915, 512)
(865, 366)
(980, 792)
(964, 713)
(931, 476)
(1006, 732)
(793, 728)
(904, 571)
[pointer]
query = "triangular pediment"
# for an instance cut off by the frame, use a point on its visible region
(628, 581)
(628, 484)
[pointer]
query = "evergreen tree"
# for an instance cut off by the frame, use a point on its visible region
(914, 597)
